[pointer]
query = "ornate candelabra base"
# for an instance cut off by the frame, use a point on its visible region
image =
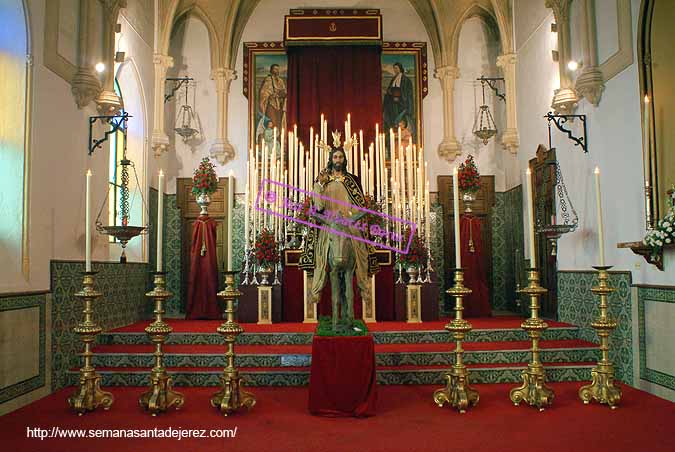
(457, 392)
(88, 396)
(160, 397)
(602, 388)
(534, 390)
(231, 397)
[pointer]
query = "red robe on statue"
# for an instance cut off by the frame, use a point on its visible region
(202, 302)
(477, 304)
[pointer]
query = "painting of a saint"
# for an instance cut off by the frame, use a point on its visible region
(399, 96)
(270, 96)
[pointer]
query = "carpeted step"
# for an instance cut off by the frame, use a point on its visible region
(299, 376)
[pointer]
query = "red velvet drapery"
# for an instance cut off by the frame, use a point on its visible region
(202, 302)
(477, 304)
(334, 80)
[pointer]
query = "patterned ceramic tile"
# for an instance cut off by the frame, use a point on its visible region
(499, 253)
(123, 302)
(652, 294)
(27, 302)
(577, 305)
(436, 240)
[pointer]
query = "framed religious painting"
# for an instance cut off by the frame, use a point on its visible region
(404, 85)
(264, 78)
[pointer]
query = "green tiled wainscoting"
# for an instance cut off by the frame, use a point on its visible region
(579, 306)
(175, 307)
(123, 302)
(11, 304)
(436, 240)
(653, 295)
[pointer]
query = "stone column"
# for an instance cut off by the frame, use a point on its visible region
(590, 83)
(221, 149)
(510, 139)
(449, 148)
(85, 86)
(565, 98)
(108, 102)
(160, 140)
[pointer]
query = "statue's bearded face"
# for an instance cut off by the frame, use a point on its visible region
(338, 160)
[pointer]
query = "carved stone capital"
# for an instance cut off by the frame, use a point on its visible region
(108, 103)
(222, 151)
(223, 78)
(85, 86)
(507, 60)
(164, 61)
(449, 149)
(160, 142)
(511, 140)
(444, 72)
(590, 84)
(565, 101)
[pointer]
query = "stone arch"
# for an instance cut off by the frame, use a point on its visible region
(474, 10)
(214, 41)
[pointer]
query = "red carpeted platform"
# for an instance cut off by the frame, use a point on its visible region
(209, 326)
(406, 420)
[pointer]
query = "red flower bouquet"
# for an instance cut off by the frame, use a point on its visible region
(417, 253)
(204, 179)
(468, 176)
(266, 252)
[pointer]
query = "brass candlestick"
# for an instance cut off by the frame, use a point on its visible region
(602, 388)
(160, 397)
(534, 390)
(457, 391)
(231, 397)
(88, 396)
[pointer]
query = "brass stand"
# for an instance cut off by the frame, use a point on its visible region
(602, 387)
(160, 397)
(231, 397)
(534, 390)
(88, 395)
(457, 391)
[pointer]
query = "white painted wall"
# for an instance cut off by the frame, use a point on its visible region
(614, 139)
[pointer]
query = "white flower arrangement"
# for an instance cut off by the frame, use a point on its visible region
(664, 232)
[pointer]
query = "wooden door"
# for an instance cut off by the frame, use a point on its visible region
(187, 204)
(544, 180)
(485, 200)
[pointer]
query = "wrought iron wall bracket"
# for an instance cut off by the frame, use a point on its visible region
(559, 121)
(95, 143)
(177, 83)
(491, 83)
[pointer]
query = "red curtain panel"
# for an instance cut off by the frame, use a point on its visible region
(475, 277)
(202, 302)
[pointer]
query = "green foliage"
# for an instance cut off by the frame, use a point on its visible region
(325, 328)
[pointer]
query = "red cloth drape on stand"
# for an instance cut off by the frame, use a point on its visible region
(202, 302)
(334, 80)
(342, 381)
(477, 304)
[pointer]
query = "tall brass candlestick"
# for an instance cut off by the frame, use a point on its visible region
(160, 397)
(534, 390)
(231, 397)
(457, 391)
(88, 396)
(602, 388)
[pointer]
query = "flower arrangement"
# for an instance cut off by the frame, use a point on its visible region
(664, 231)
(468, 176)
(204, 180)
(370, 218)
(417, 253)
(266, 250)
(303, 215)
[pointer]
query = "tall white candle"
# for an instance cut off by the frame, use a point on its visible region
(455, 204)
(529, 198)
(160, 219)
(87, 223)
(601, 229)
(427, 216)
(230, 210)
(371, 168)
(246, 215)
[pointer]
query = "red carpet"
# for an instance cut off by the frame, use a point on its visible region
(209, 326)
(406, 420)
